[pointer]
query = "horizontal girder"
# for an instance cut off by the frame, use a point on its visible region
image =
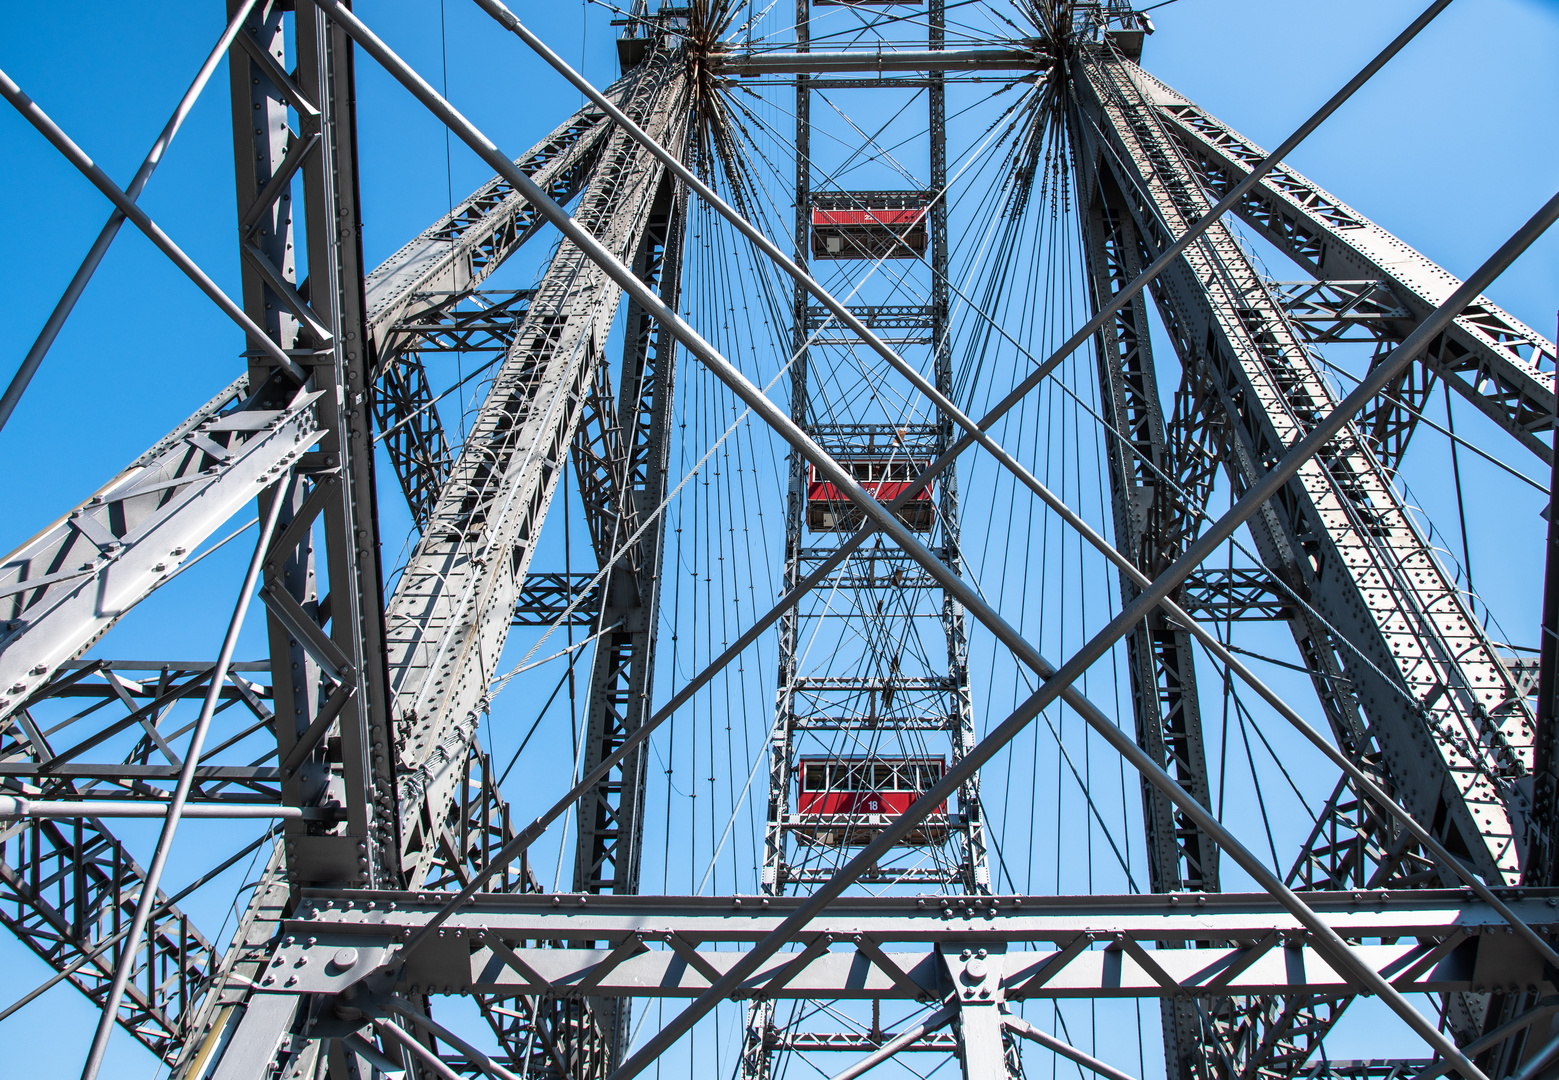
(1090, 946)
(748, 65)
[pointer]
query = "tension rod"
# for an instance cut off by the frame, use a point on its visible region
(105, 238)
(88, 168)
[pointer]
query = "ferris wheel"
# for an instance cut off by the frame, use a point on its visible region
(889, 538)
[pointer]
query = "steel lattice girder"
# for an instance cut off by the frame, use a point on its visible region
(66, 890)
(454, 602)
(1092, 946)
(749, 65)
(457, 253)
(1456, 732)
(1162, 671)
(461, 584)
(1334, 309)
(336, 677)
(620, 454)
(331, 693)
(1161, 666)
(1490, 357)
(46, 760)
(64, 588)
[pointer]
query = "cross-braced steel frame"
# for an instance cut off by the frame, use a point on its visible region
(393, 872)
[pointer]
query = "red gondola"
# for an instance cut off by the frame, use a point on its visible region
(845, 801)
(869, 225)
(885, 479)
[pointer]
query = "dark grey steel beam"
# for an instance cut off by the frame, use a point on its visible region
(545, 598)
(1161, 666)
(1163, 677)
(66, 887)
(1083, 946)
(621, 453)
(1340, 535)
(1354, 914)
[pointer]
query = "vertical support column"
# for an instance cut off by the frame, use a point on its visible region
(975, 973)
(326, 637)
(367, 851)
(1160, 663)
(1543, 865)
(610, 818)
(773, 879)
(977, 875)
(757, 1047)
(607, 853)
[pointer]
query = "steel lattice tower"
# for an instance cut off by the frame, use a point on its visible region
(393, 869)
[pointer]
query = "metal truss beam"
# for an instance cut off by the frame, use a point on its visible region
(877, 316)
(937, 1042)
(1338, 535)
(1502, 366)
(545, 598)
(1328, 310)
(1234, 595)
(1163, 676)
(1161, 666)
(1339, 531)
(455, 601)
(1094, 946)
(621, 453)
(66, 890)
(326, 662)
(131, 707)
(68, 585)
(325, 605)
(455, 254)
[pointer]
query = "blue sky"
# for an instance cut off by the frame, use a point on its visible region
(1451, 148)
